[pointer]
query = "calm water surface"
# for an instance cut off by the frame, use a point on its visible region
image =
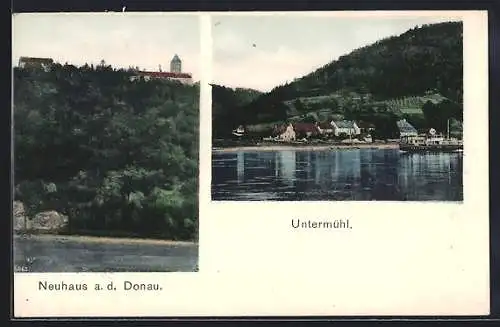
(55, 255)
(346, 174)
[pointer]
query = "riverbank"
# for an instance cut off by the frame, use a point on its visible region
(102, 239)
(305, 147)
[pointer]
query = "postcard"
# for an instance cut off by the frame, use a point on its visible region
(251, 163)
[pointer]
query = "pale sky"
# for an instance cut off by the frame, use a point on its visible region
(121, 39)
(287, 47)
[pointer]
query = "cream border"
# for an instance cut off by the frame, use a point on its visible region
(399, 259)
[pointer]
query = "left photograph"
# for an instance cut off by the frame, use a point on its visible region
(106, 142)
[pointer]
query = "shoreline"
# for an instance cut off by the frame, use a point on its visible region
(103, 239)
(308, 147)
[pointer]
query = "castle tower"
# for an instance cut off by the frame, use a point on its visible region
(175, 64)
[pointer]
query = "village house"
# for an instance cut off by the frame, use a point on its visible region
(325, 128)
(40, 63)
(346, 127)
(406, 129)
(175, 73)
(285, 133)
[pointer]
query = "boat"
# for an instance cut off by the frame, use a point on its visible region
(240, 131)
(430, 142)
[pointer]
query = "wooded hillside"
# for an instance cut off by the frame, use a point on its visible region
(118, 157)
(226, 104)
(391, 79)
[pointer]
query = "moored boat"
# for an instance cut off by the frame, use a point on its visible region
(240, 131)
(430, 142)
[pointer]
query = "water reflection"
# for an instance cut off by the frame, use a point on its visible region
(353, 174)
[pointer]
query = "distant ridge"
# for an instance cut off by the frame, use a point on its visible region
(395, 76)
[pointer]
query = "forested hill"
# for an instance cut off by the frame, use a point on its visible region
(397, 74)
(226, 103)
(118, 157)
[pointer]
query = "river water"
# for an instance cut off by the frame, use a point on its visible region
(337, 175)
(56, 254)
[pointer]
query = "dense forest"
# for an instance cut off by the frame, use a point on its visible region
(117, 157)
(398, 77)
(224, 108)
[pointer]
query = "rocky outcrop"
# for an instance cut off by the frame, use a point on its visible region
(42, 222)
(48, 222)
(20, 218)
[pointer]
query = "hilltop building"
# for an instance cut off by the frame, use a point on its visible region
(176, 64)
(175, 73)
(33, 62)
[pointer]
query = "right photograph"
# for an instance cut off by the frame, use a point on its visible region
(337, 108)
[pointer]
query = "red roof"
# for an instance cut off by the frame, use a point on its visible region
(306, 128)
(166, 74)
(325, 125)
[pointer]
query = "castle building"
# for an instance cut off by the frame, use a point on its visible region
(38, 63)
(175, 73)
(176, 64)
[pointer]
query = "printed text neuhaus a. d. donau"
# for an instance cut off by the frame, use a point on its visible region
(323, 224)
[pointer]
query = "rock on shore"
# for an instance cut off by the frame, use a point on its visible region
(42, 222)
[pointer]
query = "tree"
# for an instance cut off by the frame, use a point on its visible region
(437, 115)
(311, 118)
(299, 106)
